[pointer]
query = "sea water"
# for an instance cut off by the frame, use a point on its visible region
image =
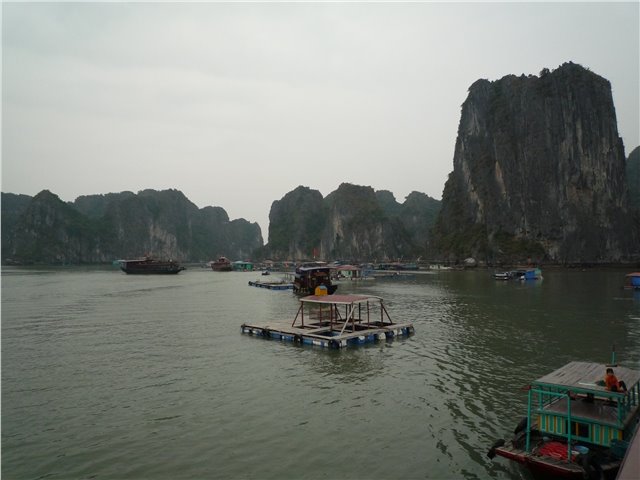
(114, 376)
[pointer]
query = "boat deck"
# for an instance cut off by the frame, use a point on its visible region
(585, 377)
(598, 411)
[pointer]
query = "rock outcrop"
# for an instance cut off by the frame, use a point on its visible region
(352, 223)
(539, 172)
(101, 228)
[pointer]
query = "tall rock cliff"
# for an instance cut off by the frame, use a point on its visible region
(101, 228)
(352, 223)
(633, 178)
(539, 172)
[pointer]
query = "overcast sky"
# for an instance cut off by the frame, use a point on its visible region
(236, 104)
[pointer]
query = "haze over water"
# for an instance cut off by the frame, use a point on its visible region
(111, 376)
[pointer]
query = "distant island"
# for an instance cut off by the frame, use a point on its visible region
(539, 176)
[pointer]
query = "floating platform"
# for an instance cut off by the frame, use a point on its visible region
(272, 285)
(334, 321)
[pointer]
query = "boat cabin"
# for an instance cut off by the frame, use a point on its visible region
(572, 403)
(308, 279)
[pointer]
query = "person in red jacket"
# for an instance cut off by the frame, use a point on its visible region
(612, 384)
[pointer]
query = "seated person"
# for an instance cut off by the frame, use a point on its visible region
(612, 384)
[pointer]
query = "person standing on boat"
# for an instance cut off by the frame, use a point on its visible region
(611, 382)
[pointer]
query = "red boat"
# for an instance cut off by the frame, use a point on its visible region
(222, 264)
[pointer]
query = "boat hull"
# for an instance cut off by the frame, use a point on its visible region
(548, 467)
(222, 264)
(150, 267)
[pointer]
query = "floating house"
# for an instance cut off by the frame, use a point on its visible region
(353, 273)
(241, 266)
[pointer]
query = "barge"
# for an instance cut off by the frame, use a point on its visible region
(150, 266)
(334, 321)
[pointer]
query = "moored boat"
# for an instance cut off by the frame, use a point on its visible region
(503, 275)
(308, 278)
(575, 427)
(353, 273)
(632, 280)
(222, 264)
(150, 266)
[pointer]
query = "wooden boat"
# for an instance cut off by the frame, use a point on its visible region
(308, 278)
(503, 275)
(574, 427)
(352, 273)
(222, 264)
(632, 280)
(334, 321)
(150, 266)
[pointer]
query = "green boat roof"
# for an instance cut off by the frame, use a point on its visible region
(586, 376)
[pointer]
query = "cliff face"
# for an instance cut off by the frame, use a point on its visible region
(101, 228)
(539, 172)
(633, 178)
(352, 223)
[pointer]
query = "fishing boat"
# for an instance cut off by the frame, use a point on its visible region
(308, 278)
(352, 273)
(150, 266)
(334, 321)
(575, 427)
(222, 264)
(503, 275)
(632, 281)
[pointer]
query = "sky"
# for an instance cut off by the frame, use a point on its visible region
(237, 104)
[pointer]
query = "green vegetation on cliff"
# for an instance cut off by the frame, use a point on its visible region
(101, 228)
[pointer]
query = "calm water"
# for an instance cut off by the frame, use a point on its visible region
(111, 376)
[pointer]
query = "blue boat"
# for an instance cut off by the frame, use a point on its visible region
(632, 280)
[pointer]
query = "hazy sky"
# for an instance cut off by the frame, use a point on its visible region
(236, 104)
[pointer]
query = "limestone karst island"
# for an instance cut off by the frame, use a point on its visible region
(539, 175)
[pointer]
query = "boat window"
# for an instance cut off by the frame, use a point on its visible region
(580, 429)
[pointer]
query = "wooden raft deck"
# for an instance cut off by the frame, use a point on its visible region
(335, 321)
(323, 335)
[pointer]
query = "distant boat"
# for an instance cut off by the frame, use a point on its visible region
(503, 275)
(520, 274)
(222, 264)
(632, 280)
(150, 266)
(354, 273)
